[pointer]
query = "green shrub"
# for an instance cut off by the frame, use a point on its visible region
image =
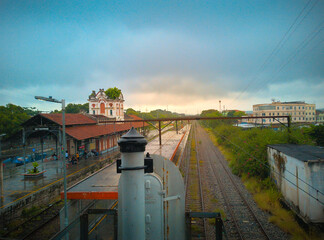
(249, 147)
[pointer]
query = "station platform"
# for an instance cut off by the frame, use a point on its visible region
(103, 184)
(16, 188)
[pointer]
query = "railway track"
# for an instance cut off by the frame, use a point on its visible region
(194, 191)
(28, 228)
(243, 222)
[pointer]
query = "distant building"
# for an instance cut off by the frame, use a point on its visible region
(299, 111)
(100, 104)
(320, 117)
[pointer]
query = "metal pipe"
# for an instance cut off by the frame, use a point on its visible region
(1, 173)
(24, 146)
(160, 135)
(188, 118)
(42, 151)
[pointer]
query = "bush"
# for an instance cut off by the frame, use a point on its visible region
(249, 147)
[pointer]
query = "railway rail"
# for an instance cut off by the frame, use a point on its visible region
(244, 224)
(194, 202)
(29, 227)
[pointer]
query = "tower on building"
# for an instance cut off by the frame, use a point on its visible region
(101, 104)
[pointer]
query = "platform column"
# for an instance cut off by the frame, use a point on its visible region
(132, 197)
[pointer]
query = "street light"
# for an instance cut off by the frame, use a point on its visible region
(50, 99)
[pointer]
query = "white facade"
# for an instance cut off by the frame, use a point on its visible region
(100, 104)
(299, 111)
(320, 118)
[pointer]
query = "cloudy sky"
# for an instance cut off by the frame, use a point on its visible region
(183, 56)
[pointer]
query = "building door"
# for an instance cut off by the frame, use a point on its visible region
(97, 145)
(102, 108)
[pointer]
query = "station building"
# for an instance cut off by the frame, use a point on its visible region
(299, 111)
(83, 132)
(101, 104)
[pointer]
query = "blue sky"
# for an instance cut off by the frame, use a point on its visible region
(180, 55)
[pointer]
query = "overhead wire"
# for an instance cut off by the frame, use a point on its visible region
(293, 55)
(279, 45)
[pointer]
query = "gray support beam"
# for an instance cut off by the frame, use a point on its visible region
(160, 135)
(42, 149)
(24, 146)
(56, 151)
(66, 220)
(84, 226)
(1, 177)
(218, 228)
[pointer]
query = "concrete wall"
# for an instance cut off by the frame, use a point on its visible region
(46, 195)
(303, 174)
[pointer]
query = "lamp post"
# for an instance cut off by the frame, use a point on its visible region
(1, 171)
(50, 99)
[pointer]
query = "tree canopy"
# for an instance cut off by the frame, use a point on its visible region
(113, 93)
(11, 118)
(158, 113)
(75, 108)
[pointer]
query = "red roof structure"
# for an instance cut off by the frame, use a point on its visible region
(91, 131)
(70, 118)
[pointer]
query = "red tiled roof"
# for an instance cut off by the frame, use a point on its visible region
(70, 118)
(85, 132)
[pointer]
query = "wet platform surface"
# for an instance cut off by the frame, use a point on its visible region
(15, 187)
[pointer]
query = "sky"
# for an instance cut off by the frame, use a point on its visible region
(183, 56)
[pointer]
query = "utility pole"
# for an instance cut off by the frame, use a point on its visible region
(1, 172)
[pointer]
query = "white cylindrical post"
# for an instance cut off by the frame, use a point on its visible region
(132, 197)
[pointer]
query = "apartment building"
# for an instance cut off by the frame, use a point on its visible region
(299, 111)
(320, 117)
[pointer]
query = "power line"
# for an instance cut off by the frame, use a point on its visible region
(294, 54)
(279, 45)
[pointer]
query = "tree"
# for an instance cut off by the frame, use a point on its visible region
(316, 133)
(11, 118)
(77, 108)
(74, 108)
(113, 93)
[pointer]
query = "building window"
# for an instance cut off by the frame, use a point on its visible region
(294, 118)
(278, 114)
(93, 112)
(298, 107)
(283, 108)
(111, 113)
(303, 107)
